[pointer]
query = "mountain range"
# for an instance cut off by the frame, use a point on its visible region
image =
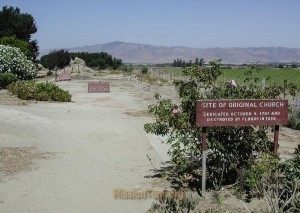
(142, 53)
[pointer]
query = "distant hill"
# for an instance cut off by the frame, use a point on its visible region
(141, 53)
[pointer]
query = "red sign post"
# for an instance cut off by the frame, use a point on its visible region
(239, 113)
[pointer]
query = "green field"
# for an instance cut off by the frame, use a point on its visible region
(276, 75)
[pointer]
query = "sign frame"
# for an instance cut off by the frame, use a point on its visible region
(63, 77)
(98, 87)
(224, 112)
(242, 112)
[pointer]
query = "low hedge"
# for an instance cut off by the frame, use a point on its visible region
(6, 79)
(44, 91)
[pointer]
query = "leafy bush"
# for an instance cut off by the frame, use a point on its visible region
(50, 92)
(276, 182)
(230, 148)
(267, 163)
(171, 203)
(294, 119)
(22, 89)
(6, 79)
(12, 60)
(126, 68)
(144, 70)
(292, 122)
(12, 41)
(291, 170)
(43, 91)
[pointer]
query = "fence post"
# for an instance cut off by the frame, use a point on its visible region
(276, 134)
(203, 161)
(263, 84)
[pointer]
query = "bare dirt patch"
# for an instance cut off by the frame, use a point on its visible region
(142, 113)
(17, 159)
(6, 99)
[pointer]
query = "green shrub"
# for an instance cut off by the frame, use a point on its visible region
(292, 122)
(12, 60)
(50, 92)
(294, 119)
(6, 79)
(261, 168)
(170, 202)
(230, 148)
(13, 41)
(43, 91)
(126, 68)
(22, 89)
(276, 181)
(144, 70)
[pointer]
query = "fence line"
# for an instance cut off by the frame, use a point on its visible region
(168, 74)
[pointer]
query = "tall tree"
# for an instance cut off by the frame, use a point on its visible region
(21, 25)
(201, 62)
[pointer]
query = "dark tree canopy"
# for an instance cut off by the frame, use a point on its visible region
(182, 63)
(57, 58)
(21, 25)
(100, 60)
(13, 22)
(61, 58)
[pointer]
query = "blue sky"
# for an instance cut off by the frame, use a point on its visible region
(191, 23)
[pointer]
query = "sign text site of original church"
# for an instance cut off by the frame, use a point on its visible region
(242, 112)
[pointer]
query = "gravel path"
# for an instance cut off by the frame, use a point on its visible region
(70, 157)
(94, 148)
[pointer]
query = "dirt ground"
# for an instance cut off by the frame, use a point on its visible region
(72, 157)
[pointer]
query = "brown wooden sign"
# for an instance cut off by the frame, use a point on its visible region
(241, 112)
(98, 87)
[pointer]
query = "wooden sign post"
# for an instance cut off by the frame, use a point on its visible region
(203, 160)
(256, 112)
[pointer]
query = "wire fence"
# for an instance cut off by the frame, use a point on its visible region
(166, 73)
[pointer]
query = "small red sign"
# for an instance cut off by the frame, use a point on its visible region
(98, 87)
(64, 77)
(241, 112)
